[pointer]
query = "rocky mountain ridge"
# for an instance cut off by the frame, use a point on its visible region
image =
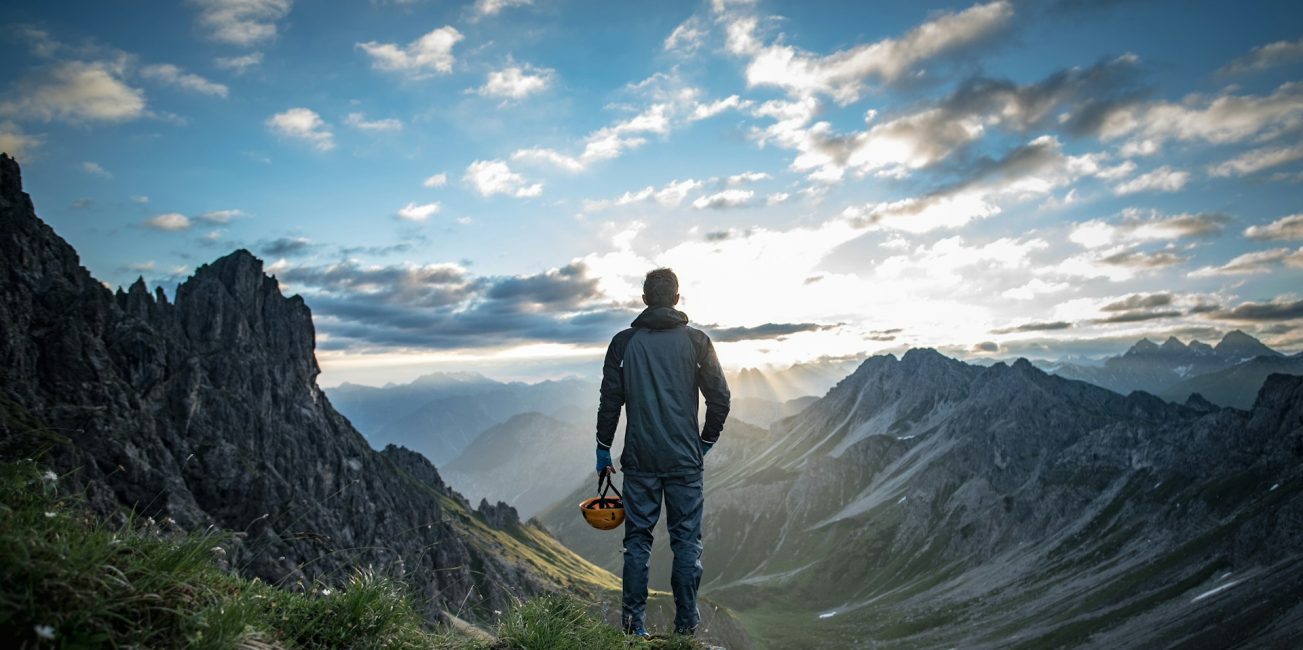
(205, 412)
(1165, 369)
(926, 502)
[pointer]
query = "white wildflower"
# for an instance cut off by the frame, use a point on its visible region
(50, 515)
(325, 592)
(218, 551)
(44, 631)
(50, 476)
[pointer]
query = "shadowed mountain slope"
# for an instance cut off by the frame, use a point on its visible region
(206, 412)
(924, 502)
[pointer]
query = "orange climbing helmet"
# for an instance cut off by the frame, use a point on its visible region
(603, 512)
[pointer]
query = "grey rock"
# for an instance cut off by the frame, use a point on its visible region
(207, 410)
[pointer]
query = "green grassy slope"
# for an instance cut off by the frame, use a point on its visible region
(70, 580)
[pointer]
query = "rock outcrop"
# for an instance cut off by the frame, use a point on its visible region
(206, 410)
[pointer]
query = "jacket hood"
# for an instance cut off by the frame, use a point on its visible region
(660, 318)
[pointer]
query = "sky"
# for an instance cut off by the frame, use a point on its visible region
(481, 185)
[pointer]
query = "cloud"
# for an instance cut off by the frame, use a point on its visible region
(76, 91)
(1254, 263)
(1033, 327)
(706, 111)
(1136, 316)
(747, 177)
(171, 75)
(1163, 179)
(359, 121)
(418, 213)
(140, 267)
(437, 180)
(1116, 263)
(761, 332)
(171, 222)
(15, 142)
(423, 57)
(516, 82)
(1289, 227)
(490, 177)
(1030, 170)
(1266, 56)
(1136, 227)
(986, 347)
(241, 22)
(687, 37)
(1034, 287)
(94, 169)
(221, 216)
(669, 195)
(926, 136)
(1257, 160)
(494, 7)
(843, 75)
(303, 124)
(286, 247)
(1142, 260)
(1218, 120)
(608, 142)
(1281, 308)
(731, 198)
(239, 64)
(670, 99)
(1139, 301)
(444, 306)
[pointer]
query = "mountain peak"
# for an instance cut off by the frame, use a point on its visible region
(1173, 344)
(1238, 344)
(11, 177)
(920, 355)
(1142, 346)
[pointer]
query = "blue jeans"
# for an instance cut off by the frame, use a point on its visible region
(642, 508)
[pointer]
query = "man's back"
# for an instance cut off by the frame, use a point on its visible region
(663, 366)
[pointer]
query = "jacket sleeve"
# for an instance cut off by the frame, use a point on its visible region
(710, 379)
(612, 391)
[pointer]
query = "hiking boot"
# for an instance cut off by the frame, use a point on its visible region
(686, 631)
(637, 631)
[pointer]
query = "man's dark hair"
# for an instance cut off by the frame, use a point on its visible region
(660, 287)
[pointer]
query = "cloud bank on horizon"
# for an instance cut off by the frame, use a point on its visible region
(484, 185)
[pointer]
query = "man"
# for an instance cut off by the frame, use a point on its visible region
(655, 369)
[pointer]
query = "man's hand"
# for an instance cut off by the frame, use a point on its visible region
(604, 464)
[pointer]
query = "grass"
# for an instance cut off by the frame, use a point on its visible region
(70, 580)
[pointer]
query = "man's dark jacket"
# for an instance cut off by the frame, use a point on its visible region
(656, 368)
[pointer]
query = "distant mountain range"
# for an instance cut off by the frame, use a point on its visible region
(1227, 374)
(530, 461)
(808, 379)
(925, 502)
(205, 412)
(438, 415)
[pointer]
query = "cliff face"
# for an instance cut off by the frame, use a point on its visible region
(207, 411)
